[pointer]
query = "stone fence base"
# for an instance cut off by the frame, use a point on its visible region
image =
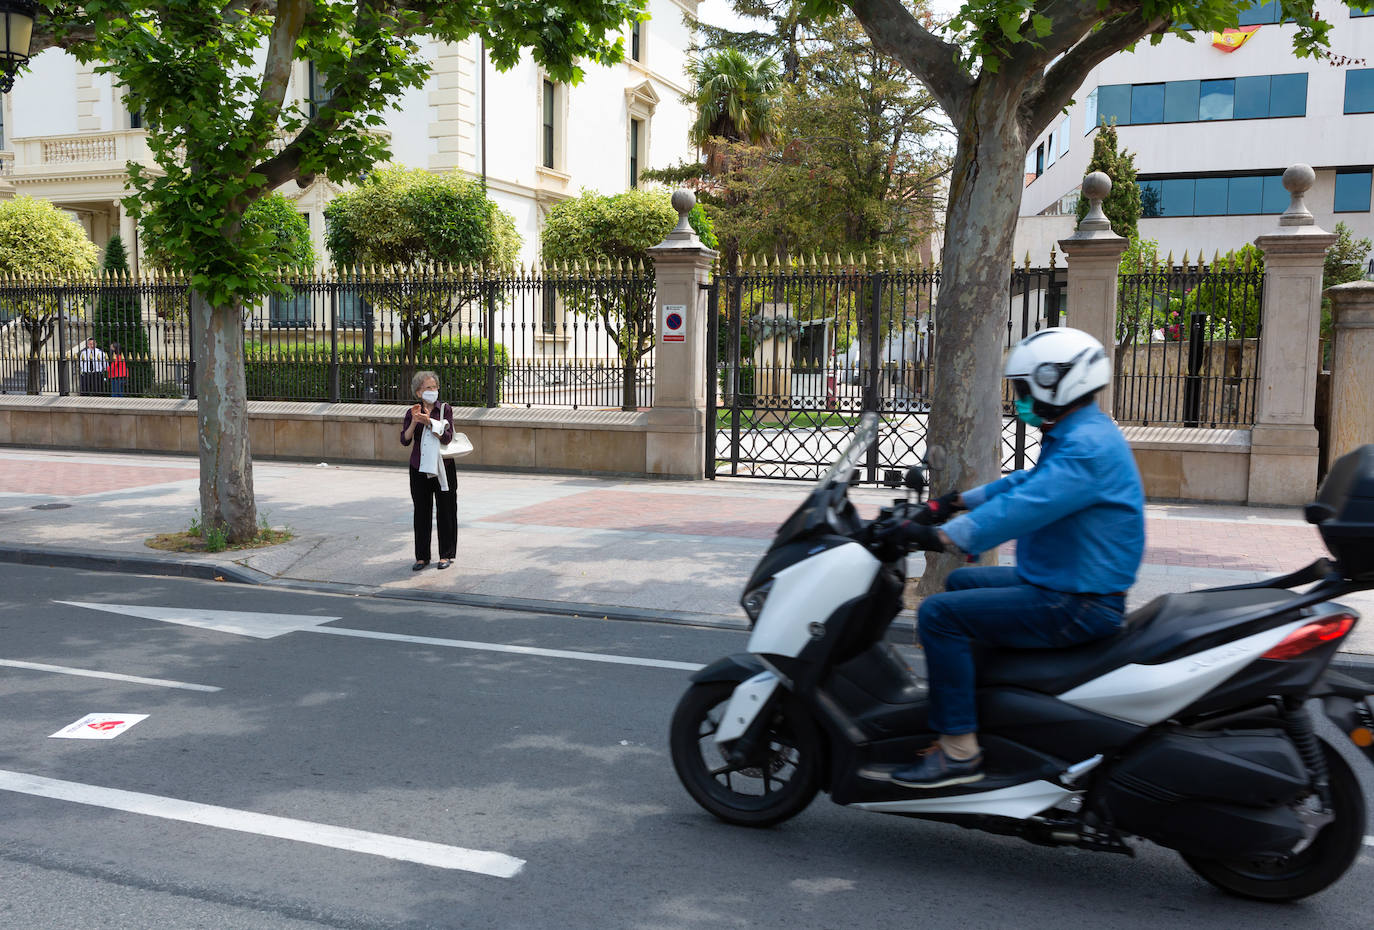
(1176, 463)
(660, 443)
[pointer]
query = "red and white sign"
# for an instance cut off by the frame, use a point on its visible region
(98, 726)
(674, 323)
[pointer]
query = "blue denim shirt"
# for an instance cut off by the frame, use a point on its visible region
(1078, 516)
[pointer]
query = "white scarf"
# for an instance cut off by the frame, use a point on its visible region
(431, 462)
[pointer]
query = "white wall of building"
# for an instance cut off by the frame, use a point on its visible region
(1325, 138)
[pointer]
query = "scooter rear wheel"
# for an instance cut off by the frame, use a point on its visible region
(778, 783)
(1326, 859)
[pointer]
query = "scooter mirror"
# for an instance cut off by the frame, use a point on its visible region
(915, 478)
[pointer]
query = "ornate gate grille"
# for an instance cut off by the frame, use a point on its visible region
(797, 354)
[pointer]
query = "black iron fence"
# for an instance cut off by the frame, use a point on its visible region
(570, 337)
(799, 350)
(1187, 345)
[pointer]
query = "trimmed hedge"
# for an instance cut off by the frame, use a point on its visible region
(275, 374)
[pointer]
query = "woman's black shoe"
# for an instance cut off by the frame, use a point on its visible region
(419, 565)
(444, 563)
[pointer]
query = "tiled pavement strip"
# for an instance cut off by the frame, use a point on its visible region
(683, 547)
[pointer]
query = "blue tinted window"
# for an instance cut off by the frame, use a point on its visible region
(1359, 91)
(1114, 103)
(1181, 101)
(1275, 196)
(1260, 13)
(1147, 103)
(1352, 191)
(1246, 196)
(1216, 99)
(1252, 97)
(1356, 13)
(1209, 198)
(1149, 198)
(1176, 197)
(1288, 95)
(292, 312)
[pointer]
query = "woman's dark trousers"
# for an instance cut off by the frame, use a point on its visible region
(424, 491)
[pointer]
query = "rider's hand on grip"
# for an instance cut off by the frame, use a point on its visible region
(937, 511)
(908, 534)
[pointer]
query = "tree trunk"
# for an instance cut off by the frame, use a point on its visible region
(226, 462)
(965, 434)
(35, 379)
(629, 397)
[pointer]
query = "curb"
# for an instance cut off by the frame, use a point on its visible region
(130, 564)
(1357, 666)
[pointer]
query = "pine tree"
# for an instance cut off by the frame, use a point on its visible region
(1123, 205)
(118, 317)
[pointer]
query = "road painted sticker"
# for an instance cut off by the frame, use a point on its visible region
(98, 726)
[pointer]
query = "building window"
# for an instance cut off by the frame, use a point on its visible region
(549, 125)
(1359, 90)
(548, 307)
(1090, 112)
(292, 312)
(1354, 13)
(317, 93)
(1040, 159)
(636, 40)
(135, 119)
(636, 149)
(1237, 195)
(1265, 96)
(1064, 137)
(1352, 191)
(1262, 14)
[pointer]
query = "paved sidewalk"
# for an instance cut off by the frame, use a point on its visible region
(602, 545)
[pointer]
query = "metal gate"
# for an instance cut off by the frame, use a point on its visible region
(796, 354)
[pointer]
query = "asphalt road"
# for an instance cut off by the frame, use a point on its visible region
(551, 760)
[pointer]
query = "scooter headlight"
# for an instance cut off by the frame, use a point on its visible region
(753, 601)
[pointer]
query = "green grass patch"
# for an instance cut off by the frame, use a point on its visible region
(785, 419)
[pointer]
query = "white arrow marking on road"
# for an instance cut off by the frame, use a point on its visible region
(112, 676)
(242, 622)
(266, 626)
(301, 831)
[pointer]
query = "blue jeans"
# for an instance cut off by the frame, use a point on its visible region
(992, 606)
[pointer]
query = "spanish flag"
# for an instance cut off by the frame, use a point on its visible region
(1232, 39)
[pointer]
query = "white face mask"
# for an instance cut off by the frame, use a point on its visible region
(429, 397)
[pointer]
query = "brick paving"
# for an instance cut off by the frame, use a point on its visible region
(78, 479)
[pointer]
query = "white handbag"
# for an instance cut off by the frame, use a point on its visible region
(455, 447)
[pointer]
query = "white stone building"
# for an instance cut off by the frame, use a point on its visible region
(67, 135)
(1212, 131)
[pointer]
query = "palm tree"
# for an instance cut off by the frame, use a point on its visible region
(734, 100)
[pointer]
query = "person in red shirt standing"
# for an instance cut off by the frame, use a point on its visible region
(118, 371)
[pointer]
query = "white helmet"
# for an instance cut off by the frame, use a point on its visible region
(1057, 367)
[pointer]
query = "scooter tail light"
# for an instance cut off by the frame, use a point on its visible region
(1310, 636)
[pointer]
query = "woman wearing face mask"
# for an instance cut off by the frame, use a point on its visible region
(433, 478)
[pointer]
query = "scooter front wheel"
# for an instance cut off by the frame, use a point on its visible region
(776, 783)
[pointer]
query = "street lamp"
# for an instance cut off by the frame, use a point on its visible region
(16, 32)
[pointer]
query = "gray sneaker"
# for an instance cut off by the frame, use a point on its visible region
(935, 769)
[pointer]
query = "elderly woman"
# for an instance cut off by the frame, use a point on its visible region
(427, 425)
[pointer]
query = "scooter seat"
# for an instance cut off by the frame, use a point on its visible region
(1164, 629)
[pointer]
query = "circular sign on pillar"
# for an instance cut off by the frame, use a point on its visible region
(674, 328)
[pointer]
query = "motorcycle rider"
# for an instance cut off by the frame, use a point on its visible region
(1079, 524)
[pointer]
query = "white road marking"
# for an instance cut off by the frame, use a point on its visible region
(518, 650)
(301, 831)
(240, 622)
(267, 626)
(112, 676)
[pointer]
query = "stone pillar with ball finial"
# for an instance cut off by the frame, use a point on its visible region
(1283, 441)
(676, 440)
(1093, 255)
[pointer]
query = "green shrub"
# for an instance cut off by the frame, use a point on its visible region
(275, 374)
(164, 389)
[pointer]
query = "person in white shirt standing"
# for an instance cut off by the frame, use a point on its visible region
(93, 364)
